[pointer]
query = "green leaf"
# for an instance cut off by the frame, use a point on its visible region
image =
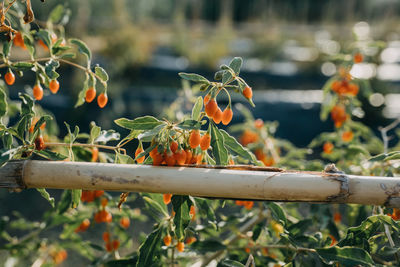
(46, 195)
(355, 236)
(23, 125)
(156, 202)
(236, 149)
(193, 77)
(44, 35)
(50, 68)
(124, 159)
(231, 263)
(189, 124)
(348, 256)
(43, 119)
(101, 73)
(3, 103)
(50, 155)
(209, 245)
(107, 136)
(82, 93)
(141, 123)
(26, 105)
(227, 76)
(149, 249)
(56, 14)
(278, 213)
(145, 152)
(29, 43)
(181, 218)
(204, 205)
(94, 134)
(257, 231)
(219, 151)
(6, 48)
(82, 47)
(75, 197)
(22, 66)
(147, 136)
(236, 64)
(198, 106)
(354, 150)
(7, 139)
(65, 202)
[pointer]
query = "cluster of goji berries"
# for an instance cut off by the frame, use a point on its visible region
(247, 204)
(214, 112)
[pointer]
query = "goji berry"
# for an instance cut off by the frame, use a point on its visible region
(206, 99)
(98, 193)
(115, 244)
(205, 141)
(102, 100)
(190, 240)
(188, 156)
(180, 157)
(90, 94)
(248, 92)
(194, 139)
(54, 85)
(167, 240)
(227, 116)
(192, 212)
(358, 58)
(104, 202)
(95, 154)
(217, 116)
(328, 147)
(173, 146)
(106, 237)
(211, 107)
(258, 123)
(38, 92)
(39, 143)
(9, 77)
(337, 217)
(125, 222)
(167, 198)
(19, 40)
(180, 246)
(137, 152)
(34, 121)
(169, 158)
(347, 136)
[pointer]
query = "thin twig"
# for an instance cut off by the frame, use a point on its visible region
(87, 145)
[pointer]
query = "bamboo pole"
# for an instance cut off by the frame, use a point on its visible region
(237, 182)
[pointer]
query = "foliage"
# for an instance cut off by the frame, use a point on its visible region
(187, 229)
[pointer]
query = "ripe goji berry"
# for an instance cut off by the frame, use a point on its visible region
(347, 136)
(217, 116)
(337, 217)
(9, 77)
(167, 198)
(211, 107)
(188, 156)
(34, 121)
(90, 94)
(358, 58)
(167, 240)
(137, 152)
(180, 157)
(194, 139)
(87, 196)
(190, 240)
(192, 213)
(38, 92)
(109, 247)
(157, 158)
(102, 100)
(206, 99)
(180, 246)
(115, 244)
(125, 222)
(54, 85)
(95, 154)
(328, 147)
(258, 123)
(83, 226)
(39, 143)
(169, 158)
(173, 146)
(19, 40)
(106, 237)
(248, 92)
(104, 202)
(227, 116)
(98, 193)
(205, 141)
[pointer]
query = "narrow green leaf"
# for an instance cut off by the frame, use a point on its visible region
(101, 73)
(278, 212)
(198, 106)
(22, 66)
(46, 195)
(6, 48)
(56, 14)
(43, 119)
(194, 77)
(219, 151)
(3, 103)
(348, 256)
(189, 124)
(50, 155)
(44, 35)
(147, 136)
(107, 136)
(141, 123)
(94, 133)
(231, 263)
(75, 197)
(26, 105)
(149, 249)
(236, 148)
(65, 202)
(181, 218)
(82, 47)
(236, 64)
(156, 202)
(209, 245)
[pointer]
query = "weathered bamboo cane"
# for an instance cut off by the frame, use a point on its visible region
(237, 182)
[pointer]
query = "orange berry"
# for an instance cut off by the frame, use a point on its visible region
(347, 136)
(19, 40)
(194, 139)
(95, 154)
(90, 94)
(38, 92)
(125, 222)
(102, 100)
(108, 217)
(180, 246)
(109, 246)
(358, 58)
(190, 240)
(189, 155)
(353, 89)
(60, 256)
(169, 158)
(106, 237)
(115, 244)
(205, 141)
(211, 107)
(34, 121)
(157, 158)
(337, 217)
(173, 146)
(192, 212)
(98, 193)
(338, 115)
(247, 250)
(167, 198)
(83, 226)
(217, 116)
(9, 77)
(328, 147)
(167, 240)
(248, 92)
(334, 241)
(137, 152)
(180, 157)
(87, 196)
(227, 116)
(248, 204)
(104, 202)
(231, 162)
(248, 137)
(54, 85)
(39, 143)
(258, 123)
